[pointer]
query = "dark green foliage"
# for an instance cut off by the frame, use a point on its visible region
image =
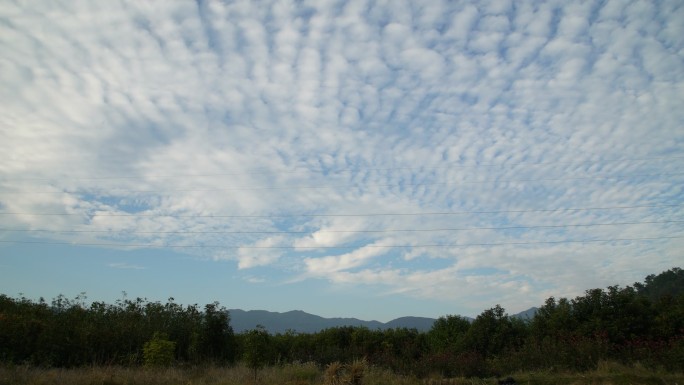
(641, 324)
(666, 284)
(159, 351)
(258, 349)
(215, 337)
(448, 333)
(493, 331)
(623, 324)
(69, 333)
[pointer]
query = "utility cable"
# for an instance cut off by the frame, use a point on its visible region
(347, 247)
(125, 232)
(347, 215)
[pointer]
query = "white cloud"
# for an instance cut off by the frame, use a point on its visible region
(222, 126)
(126, 266)
(326, 266)
(255, 280)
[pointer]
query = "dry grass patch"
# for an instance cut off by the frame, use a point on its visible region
(357, 373)
(345, 374)
(334, 374)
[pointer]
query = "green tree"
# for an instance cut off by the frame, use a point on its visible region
(257, 349)
(553, 319)
(667, 283)
(216, 336)
(494, 331)
(447, 333)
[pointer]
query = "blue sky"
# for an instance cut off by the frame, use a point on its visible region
(354, 158)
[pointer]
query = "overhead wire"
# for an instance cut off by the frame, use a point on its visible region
(455, 245)
(125, 232)
(305, 215)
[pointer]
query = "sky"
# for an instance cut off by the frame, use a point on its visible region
(368, 159)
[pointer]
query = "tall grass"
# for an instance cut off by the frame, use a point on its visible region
(607, 373)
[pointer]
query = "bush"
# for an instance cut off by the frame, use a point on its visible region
(334, 374)
(351, 374)
(159, 351)
(673, 359)
(470, 364)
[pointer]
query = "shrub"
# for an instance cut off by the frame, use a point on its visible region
(470, 364)
(334, 374)
(350, 374)
(356, 371)
(159, 351)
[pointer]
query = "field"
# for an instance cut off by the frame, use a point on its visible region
(308, 374)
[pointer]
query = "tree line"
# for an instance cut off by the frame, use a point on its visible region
(640, 323)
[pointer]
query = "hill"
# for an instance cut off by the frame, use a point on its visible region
(526, 315)
(302, 322)
(296, 320)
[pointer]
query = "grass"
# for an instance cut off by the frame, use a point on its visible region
(309, 374)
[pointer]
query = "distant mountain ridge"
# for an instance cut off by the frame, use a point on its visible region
(526, 315)
(302, 322)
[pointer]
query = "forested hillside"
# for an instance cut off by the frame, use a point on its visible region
(640, 323)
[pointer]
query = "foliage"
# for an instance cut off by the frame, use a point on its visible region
(257, 349)
(69, 333)
(640, 325)
(215, 337)
(669, 283)
(493, 331)
(159, 351)
(448, 333)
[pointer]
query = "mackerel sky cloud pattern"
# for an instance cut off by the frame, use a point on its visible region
(534, 145)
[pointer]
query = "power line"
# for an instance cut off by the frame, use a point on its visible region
(347, 186)
(345, 170)
(123, 232)
(347, 215)
(347, 247)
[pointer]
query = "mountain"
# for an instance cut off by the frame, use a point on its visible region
(526, 314)
(302, 322)
(423, 324)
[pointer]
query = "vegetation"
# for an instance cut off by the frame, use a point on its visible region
(607, 373)
(351, 374)
(68, 333)
(257, 349)
(637, 329)
(159, 351)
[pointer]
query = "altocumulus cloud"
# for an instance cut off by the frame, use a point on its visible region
(265, 133)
